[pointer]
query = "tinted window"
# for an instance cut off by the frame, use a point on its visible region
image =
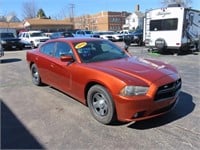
(36, 34)
(62, 49)
(7, 35)
(163, 24)
(48, 48)
(94, 51)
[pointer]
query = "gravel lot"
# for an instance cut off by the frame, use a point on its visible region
(44, 118)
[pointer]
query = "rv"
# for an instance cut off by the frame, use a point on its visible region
(174, 28)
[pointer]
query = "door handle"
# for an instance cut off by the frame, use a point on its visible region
(52, 65)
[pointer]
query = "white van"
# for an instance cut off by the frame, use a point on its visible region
(33, 37)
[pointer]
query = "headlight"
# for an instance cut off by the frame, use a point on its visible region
(3, 42)
(136, 37)
(134, 90)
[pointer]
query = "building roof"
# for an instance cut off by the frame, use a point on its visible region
(38, 21)
(16, 25)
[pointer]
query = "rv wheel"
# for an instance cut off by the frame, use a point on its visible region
(160, 44)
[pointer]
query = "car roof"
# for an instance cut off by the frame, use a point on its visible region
(76, 39)
(30, 31)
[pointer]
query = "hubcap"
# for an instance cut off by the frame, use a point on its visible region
(100, 105)
(35, 74)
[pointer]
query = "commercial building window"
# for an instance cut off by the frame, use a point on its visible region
(164, 24)
(114, 19)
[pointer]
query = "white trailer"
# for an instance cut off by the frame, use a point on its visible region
(174, 28)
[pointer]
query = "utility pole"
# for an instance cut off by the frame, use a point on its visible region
(71, 12)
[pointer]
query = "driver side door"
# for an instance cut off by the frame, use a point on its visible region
(61, 71)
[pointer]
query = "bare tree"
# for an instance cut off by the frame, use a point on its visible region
(184, 3)
(29, 9)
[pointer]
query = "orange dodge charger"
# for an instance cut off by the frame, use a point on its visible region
(111, 82)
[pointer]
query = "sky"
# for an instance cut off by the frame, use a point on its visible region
(60, 8)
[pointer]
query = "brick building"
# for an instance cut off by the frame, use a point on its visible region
(103, 21)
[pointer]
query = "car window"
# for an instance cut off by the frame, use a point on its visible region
(94, 51)
(62, 49)
(36, 34)
(80, 32)
(26, 35)
(7, 35)
(48, 48)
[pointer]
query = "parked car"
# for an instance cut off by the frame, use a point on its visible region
(111, 82)
(10, 41)
(110, 35)
(117, 36)
(134, 37)
(105, 35)
(33, 37)
(55, 35)
(84, 33)
(1, 52)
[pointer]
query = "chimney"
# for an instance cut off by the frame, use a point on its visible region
(137, 7)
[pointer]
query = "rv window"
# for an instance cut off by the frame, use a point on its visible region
(163, 24)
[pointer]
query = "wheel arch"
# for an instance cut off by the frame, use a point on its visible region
(30, 64)
(89, 85)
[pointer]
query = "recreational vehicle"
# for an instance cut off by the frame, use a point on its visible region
(174, 28)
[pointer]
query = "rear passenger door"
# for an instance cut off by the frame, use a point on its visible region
(45, 61)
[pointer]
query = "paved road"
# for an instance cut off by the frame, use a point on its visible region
(45, 118)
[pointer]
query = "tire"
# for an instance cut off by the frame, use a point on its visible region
(32, 44)
(35, 75)
(140, 43)
(160, 44)
(101, 104)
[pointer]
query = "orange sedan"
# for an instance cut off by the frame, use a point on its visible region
(111, 82)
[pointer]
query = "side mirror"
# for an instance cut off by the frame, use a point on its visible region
(66, 58)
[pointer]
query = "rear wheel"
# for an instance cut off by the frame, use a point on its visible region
(35, 75)
(101, 104)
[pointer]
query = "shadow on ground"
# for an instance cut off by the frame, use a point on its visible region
(14, 134)
(10, 60)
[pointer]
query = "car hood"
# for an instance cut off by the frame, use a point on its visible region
(11, 39)
(143, 69)
(40, 37)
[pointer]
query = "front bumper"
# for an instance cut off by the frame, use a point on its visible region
(136, 110)
(162, 97)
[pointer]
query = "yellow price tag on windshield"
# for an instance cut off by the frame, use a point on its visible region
(80, 45)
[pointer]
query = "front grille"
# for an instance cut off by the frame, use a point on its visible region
(165, 109)
(168, 90)
(43, 40)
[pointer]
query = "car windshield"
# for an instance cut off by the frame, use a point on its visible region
(36, 34)
(138, 31)
(96, 51)
(7, 35)
(88, 32)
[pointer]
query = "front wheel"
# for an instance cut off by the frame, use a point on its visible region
(101, 104)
